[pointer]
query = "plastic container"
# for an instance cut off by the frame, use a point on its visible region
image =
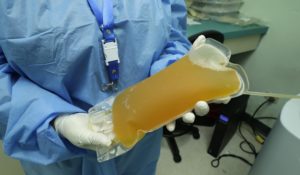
(100, 116)
(217, 7)
(168, 94)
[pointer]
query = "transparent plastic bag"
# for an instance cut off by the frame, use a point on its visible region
(164, 97)
(99, 117)
(235, 18)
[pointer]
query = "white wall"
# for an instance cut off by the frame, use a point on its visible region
(275, 65)
(9, 166)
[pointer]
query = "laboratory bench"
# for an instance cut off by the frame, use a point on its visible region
(238, 39)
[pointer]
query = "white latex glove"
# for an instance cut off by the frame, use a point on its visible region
(75, 128)
(201, 108)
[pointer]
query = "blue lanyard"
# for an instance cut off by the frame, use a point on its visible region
(105, 20)
(109, 43)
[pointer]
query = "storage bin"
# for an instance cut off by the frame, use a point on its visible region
(216, 6)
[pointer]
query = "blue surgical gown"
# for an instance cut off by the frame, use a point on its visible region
(52, 63)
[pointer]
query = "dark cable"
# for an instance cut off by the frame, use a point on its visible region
(245, 141)
(216, 162)
(242, 148)
(269, 100)
(259, 107)
(266, 118)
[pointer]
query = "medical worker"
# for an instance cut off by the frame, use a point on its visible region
(59, 58)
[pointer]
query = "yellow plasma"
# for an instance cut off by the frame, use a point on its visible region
(163, 97)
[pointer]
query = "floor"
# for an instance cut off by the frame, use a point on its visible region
(9, 166)
(195, 160)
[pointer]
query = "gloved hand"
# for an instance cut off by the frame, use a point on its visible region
(201, 108)
(75, 128)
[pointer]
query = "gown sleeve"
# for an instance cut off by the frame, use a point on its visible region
(178, 44)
